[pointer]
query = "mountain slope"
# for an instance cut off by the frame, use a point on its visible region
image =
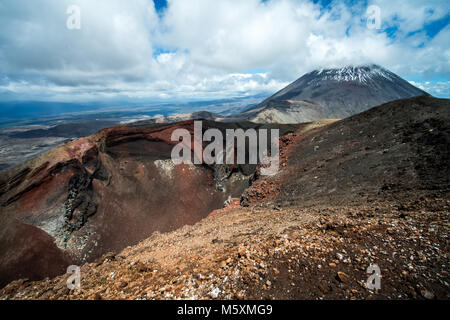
(335, 93)
(286, 111)
(370, 189)
(398, 149)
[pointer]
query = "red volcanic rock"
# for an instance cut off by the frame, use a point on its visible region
(103, 193)
(349, 193)
(233, 204)
(97, 194)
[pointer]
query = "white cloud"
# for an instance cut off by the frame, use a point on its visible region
(114, 40)
(289, 38)
(209, 48)
(410, 16)
(437, 89)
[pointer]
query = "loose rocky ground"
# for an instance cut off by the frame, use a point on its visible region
(370, 189)
(265, 253)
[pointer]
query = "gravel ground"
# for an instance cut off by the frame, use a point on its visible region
(281, 253)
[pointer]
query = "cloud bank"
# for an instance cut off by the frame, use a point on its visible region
(201, 48)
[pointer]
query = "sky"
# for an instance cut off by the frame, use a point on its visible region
(144, 50)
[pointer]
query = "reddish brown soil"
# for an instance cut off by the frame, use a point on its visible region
(122, 197)
(234, 203)
(103, 193)
(370, 189)
(38, 249)
(318, 252)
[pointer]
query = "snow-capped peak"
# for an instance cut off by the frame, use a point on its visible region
(362, 74)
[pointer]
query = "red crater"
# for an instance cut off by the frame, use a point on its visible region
(103, 193)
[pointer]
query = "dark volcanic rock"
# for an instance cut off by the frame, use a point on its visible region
(397, 148)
